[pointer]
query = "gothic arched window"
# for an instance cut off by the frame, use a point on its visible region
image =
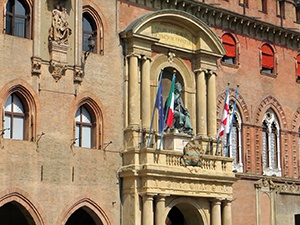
(271, 144)
(92, 27)
(14, 118)
(84, 125)
(233, 140)
(89, 30)
(17, 18)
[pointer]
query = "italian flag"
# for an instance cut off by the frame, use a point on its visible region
(170, 104)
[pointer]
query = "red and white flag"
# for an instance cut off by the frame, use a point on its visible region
(225, 118)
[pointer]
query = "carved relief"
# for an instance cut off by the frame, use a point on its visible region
(58, 42)
(36, 64)
(59, 31)
(57, 69)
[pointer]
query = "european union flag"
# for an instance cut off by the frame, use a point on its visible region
(160, 107)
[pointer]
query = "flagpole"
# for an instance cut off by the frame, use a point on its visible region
(232, 119)
(167, 111)
(152, 119)
(218, 138)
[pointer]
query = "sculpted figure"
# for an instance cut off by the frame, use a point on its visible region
(59, 31)
(182, 121)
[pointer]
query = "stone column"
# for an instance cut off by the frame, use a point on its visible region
(36, 28)
(211, 104)
(226, 214)
(133, 96)
(160, 216)
(201, 103)
(146, 95)
(148, 210)
(215, 212)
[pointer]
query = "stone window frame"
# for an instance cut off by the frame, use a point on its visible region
(271, 120)
(29, 11)
(97, 122)
(238, 162)
(98, 26)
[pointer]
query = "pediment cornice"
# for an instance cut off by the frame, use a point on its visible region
(224, 19)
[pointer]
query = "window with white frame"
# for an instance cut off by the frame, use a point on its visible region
(233, 140)
(271, 144)
(83, 128)
(14, 118)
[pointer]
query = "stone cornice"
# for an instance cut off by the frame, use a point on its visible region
(238, 23)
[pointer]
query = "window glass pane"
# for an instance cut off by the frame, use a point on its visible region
(272, 151)
(233, 144)
(7, 124)
(264, 149)
(8, 29)
(86, 137)
(87, 31)
(19, 9)
(20, 27)
(18, 128)
(9, 5)
(77, 135)
(87, 27)
(17, 107)
(86, 118)
(8, 104)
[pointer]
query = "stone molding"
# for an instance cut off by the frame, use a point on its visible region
(242, 24)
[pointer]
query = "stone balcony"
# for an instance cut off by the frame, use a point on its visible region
(152, 171)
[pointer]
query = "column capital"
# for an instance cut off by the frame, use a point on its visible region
(215, 201)
(145, 58)
(228, 200)
(148, 195)
(133, 55)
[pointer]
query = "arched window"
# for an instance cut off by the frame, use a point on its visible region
(14, 118)
(17, 18)
(267, 59)
(89, 30)
(92, 27)
(229, 44)
(84, 126)
(271, 144)
(298, 67)
(233, 140)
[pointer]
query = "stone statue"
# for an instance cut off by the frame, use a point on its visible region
(59, 31)
(182, 121)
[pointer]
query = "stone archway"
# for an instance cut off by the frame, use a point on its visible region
(193, 210)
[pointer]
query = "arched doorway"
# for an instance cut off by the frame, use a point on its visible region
(190, 214)
(13, 213)
(84, 215)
